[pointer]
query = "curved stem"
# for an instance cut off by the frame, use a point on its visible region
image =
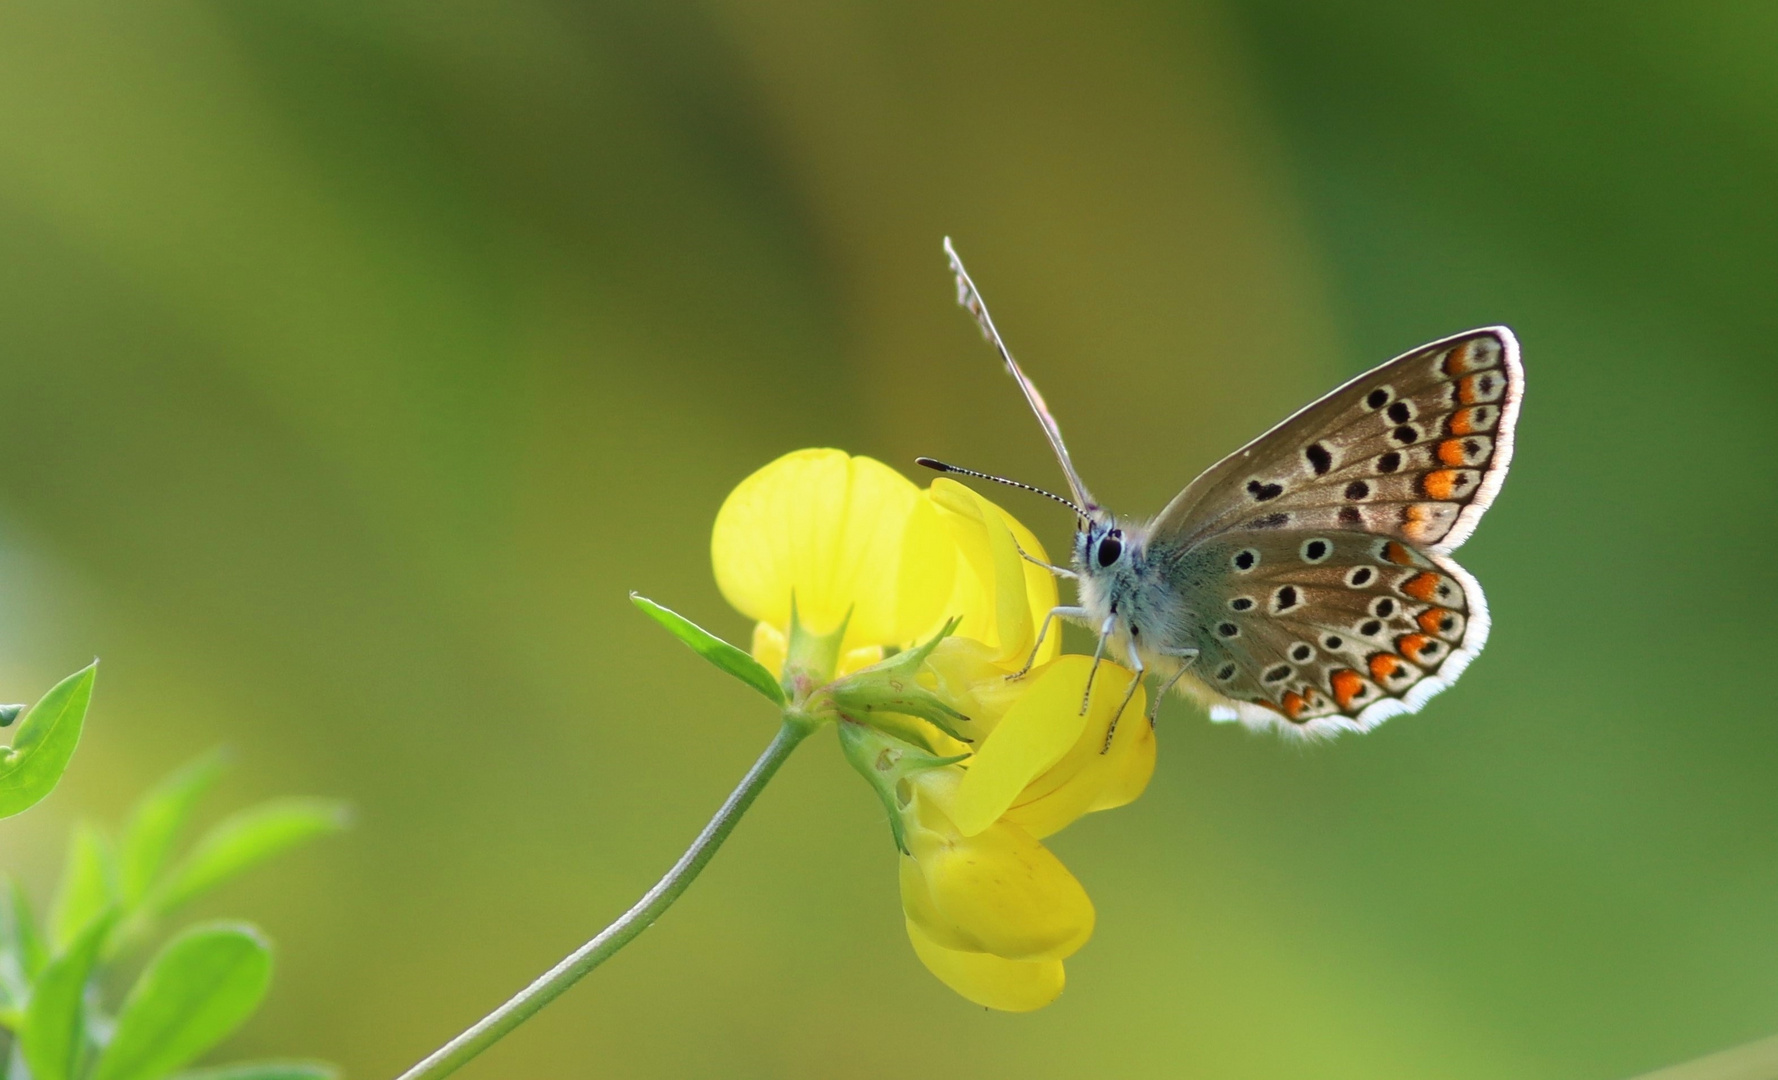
(491, 1028)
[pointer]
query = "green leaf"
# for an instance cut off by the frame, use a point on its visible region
(244, 840)
(21, 925)
(30, 767)
(729, 658)
(21, 957)
(89, 884)
(194, 993)
(54, 1033)
(264, 1070)
(157, 822)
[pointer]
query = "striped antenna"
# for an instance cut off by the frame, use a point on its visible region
(938, 466)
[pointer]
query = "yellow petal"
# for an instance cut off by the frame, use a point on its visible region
(1041, 727)
(988, 980)
(999, 890)
(966, 675)
(1001, 596)
(770, 647)
(917, 905)
(1090, 777)
(839, 534)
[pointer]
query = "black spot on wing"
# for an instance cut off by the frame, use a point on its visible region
(1319, 459)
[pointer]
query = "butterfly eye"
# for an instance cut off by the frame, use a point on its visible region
(1110, 548)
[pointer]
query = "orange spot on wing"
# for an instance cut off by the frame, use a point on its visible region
(1470, 421)
(1397, 554)
(1384, 665)
(1421, 586)
(1485, 386)
(1294, 704)
(1441, 484)
(1457, 360)
(1450, 452)
(1346, 686)
(1431, 618)
(1412, 645)
(1422, 523)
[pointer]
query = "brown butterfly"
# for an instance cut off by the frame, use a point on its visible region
(1305, 582)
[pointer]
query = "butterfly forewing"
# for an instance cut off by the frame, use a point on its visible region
(1415, 450)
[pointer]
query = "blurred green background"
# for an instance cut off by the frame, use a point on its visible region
(357, 358)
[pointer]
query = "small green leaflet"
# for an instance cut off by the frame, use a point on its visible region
(729, 658)
(195, 992)
(30, 767)
(244, 840)
(55, 1022)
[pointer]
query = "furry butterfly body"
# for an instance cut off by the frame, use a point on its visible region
(1305, 582)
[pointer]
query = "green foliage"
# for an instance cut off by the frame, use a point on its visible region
(159, 819)
(242, 842)
(31, 766)
(729, 658)
(196, 990)
(205, 983)
(89, 884)
(54, 1035)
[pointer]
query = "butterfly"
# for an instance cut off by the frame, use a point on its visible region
(1304, 583)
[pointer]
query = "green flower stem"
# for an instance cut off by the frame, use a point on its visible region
(493, 1027)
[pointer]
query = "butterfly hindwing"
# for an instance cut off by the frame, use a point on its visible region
(1414, 450)
(1328, 631)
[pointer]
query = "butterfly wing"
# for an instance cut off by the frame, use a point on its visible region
(1328, 631)
(1317, 557)
(1415, 449)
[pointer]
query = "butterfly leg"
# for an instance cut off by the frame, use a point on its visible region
(1137, 670)
(1059, 571)
(1043, 632)
(1186, 657)
(1098, 654)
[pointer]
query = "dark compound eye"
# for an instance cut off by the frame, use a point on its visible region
(1110, 548)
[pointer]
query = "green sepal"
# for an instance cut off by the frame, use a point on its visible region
(729, 658)
(891, 688)
(810, 659)
(886, 762)
(31, 766)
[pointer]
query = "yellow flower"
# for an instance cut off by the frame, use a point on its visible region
(817, 541)
(846, 541)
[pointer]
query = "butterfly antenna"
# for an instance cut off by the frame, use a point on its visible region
(972, 301)
(939, 466)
